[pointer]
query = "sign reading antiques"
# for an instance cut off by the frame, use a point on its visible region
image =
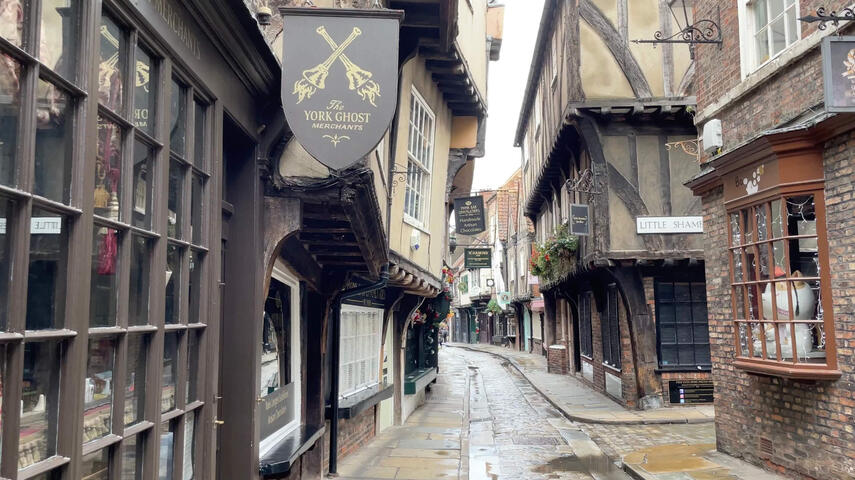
(469, 215)
(477, 258)
(339, 79)
(690, 391)
(580, 219)
(838, 73)
(645, 225)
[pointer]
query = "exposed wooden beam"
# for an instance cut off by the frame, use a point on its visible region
(302, 263)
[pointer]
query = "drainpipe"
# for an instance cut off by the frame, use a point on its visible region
(336, 348)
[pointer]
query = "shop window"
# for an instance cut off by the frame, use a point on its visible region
(189, 446)
(10, 112)
(39, 402)
(132, 457)
(170, 372)
(173, 283)
(167, 450)
(194, 343)
(47, 274)
(145, 94)
(96, 465)
(138, 298)
(104, 288)
(175, 200)
(142, 185)
(610, 329)
(682, 325)
(586, 344)
(135, 377)
(54, 142)
(98, 389)
(60, 36)
(178, 118)
(6, 210)
(781, 297)
(360, 348)
(420, 159)
(111, 68)
(280, 359)
(196, 259)
(200, 136)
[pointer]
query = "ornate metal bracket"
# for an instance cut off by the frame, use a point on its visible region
(689, 147)
(702, 31)
(823, 17)
(399, 177)
(585, 182)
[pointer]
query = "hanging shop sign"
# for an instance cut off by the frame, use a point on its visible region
(372, 299)
(469, 215)
(580, 219)
(838, 73)
(645, 225)
(339, 79)
(477, 258)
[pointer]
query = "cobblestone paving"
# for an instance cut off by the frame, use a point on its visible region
(619, 440)
(514, 433)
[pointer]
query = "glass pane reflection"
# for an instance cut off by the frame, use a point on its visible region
(112, 65)
(96, 465)
(170, 372)
(108, 170)
(6, 210)
(60, 26)
(39, 399)
(104, 283)
(145, 82)
(54, 143)
(47, 273)
(10, 110)
(135, 379)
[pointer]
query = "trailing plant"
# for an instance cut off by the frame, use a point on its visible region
(554, 257)
(493, 307)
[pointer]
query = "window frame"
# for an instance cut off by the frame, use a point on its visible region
(374, 367)
(658, 302)
(422, 171)
(747, 31)
(762, 364)
(76, 332)
(610, 336)
(586, 332)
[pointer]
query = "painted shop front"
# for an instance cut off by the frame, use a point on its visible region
(118, 120)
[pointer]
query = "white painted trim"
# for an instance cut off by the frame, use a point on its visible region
(380, 317)
(760, 76)
(282, 273)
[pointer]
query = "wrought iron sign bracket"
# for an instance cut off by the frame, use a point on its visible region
(585, 182)
(399, 177)
(703, 31)
(689, 147)
(822, 16)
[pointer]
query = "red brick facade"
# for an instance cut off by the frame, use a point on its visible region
(803, 429)
(353, 433)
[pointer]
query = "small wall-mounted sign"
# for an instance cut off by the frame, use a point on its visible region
(372, 299)
(647, 225)
(580, 219)
(838, 73)
(690, 391)
(477, 258)
(469, 215)
(339, 87)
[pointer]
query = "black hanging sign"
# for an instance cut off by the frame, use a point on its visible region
(469, 215)
(339, 79)
(580, 219)
(838, 73)
(477, 258)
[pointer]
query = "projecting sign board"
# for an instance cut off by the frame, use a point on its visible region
(580, 219)
(340, 80)
(469, 215)
(477, 258)
(372, 299)
(838, 73)
(645, 225)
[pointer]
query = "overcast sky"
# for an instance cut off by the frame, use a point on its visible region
(505, 90)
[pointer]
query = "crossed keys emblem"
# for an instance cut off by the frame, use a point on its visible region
(359, 79)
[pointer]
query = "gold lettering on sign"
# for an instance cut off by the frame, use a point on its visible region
(172, 17)
(337, 117)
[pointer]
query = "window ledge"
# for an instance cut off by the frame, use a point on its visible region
(415, 224)
(280, 458)
(354, 405)
(795, 372)
(418, 380)
(682, 369)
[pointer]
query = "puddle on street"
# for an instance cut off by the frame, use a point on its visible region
(599, 467)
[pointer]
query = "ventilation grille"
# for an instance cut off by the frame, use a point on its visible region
(767, 448)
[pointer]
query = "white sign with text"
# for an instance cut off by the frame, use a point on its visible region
(39, 225)
(644, 225)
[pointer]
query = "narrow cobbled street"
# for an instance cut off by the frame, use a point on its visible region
(482, 420)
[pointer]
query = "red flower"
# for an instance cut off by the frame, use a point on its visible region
(546, 257)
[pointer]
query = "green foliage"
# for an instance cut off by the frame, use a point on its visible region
(556, 256)
(493, 306)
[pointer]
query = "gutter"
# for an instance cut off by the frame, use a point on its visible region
(336, 350)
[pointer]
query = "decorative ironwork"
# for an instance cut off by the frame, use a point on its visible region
(702, 31)
(585, 182)
(399, 177)
(689, 147)
(834, 17)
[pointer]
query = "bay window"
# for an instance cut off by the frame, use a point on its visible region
(780, 283)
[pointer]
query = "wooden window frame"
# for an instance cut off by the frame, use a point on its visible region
(694, 344)
(610, 338)
(75, 332)
(422, 126)
(586, 333)
(778, 366)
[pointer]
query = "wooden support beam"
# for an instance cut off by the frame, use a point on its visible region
(302, 263)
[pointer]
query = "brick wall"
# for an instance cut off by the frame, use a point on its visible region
(679, 376)
(353, 433)
(556, 359)
(809, 425)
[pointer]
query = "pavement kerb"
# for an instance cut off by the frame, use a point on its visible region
(581, 418)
